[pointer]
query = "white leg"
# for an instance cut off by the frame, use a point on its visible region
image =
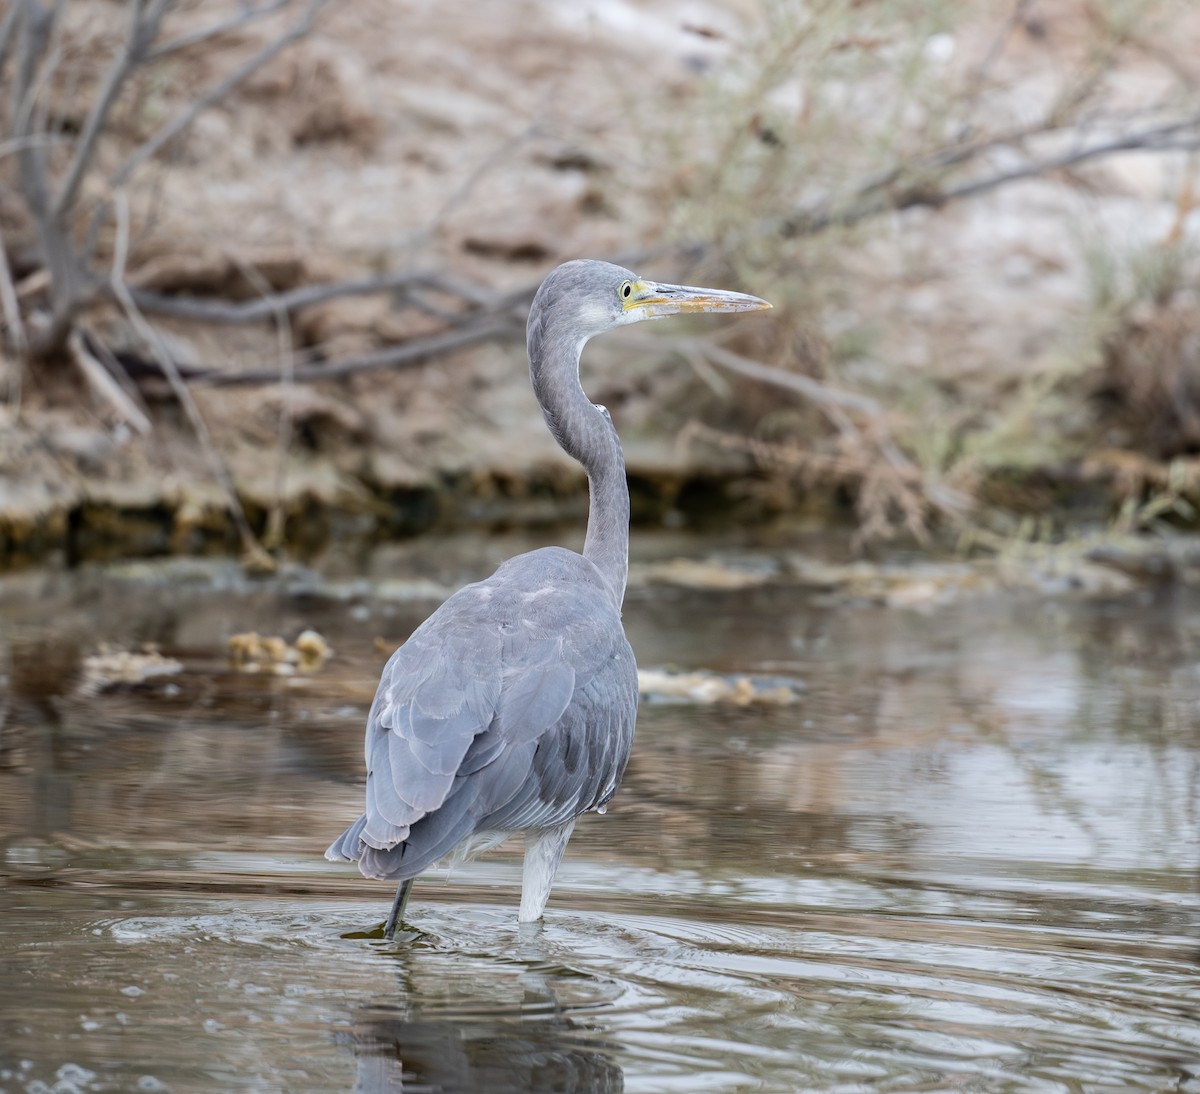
(543, 852)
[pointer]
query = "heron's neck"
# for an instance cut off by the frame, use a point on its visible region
(585, 432)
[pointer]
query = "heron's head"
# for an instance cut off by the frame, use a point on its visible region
(586, 297)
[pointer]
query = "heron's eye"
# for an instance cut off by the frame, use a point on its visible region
(626, 290)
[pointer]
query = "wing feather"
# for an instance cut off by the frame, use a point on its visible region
(578, 763)
(535, 696)
(511, 707)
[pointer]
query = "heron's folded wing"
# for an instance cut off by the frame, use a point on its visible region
(464, 676)
(575, 763)
(433, 700)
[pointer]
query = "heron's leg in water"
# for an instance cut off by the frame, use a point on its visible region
(543, 852)
(398, 905)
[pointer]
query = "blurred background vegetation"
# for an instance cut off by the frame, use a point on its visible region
(265, 265)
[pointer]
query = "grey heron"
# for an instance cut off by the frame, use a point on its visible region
(511, 708)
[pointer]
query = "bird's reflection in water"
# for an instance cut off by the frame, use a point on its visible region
(497, 1055)
(488, 1039)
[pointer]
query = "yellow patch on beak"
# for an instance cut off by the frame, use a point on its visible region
(653, 300)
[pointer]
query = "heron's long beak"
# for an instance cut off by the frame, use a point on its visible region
(654, 300)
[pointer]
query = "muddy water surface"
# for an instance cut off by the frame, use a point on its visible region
(964, 859)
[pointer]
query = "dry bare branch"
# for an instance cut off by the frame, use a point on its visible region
(272, 304)
(35, 33)
(416, 352)
(8, 31)
(10, 305)
(34, 27)
(495, 316)
(1178, 135)
(15, 329)
(1166, 138)
(414, 283)
(143, 29)
(955, 154)
(35, 62)
(816, 392)
(255, 554)
(38, 140)
(206, 34)
(101, 350)
(216, 93)
(102, 382)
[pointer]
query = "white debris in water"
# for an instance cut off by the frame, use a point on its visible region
(112, 667)
(133, 991)
(709, 687)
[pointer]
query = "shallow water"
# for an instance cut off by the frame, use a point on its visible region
(964, 860)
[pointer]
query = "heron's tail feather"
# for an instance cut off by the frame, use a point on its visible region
(348, 846)
(432, 838)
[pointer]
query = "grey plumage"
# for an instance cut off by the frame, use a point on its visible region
(512, 707)
(458, 739)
